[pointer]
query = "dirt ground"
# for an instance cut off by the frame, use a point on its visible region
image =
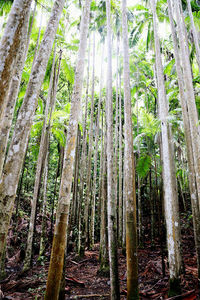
(83, 279)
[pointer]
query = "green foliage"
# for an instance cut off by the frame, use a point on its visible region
(150, 124)
(168, 68)
(143, 165)
(60, 119)
(68, 71)
(5, 6)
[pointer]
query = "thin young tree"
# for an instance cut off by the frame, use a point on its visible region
(59, 241)
(130, 193)
(112, 222)
(17, 149)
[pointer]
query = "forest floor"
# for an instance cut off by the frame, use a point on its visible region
(84, 281)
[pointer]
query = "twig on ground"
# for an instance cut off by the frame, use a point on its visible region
(89, 296)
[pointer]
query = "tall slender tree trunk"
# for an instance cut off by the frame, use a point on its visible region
(117, 133)
(81, 237)
(20, 185)
(101, 168)
(120, 167)
(46, 164)
(189, 143)
(38, 175)
(59, 241)
(151, 200)
(194, 33)
(140, 233)
(54, 193)
(95, 160)
(9, 46)
(89, 163)
(112, 222)
(14, 162)
(124, 214)
(130, 192)
(74, 205)
(190, 96)
(83, 153)
(43, 233)
(14, 88)
(103, 251)
(83, 160)
(169, 181)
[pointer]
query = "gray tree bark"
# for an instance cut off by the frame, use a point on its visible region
(14, 87)
(14, 162)
(103, 251)
(9, 46)
(189, 143)
(89, 162)
(189, 90)
(83, 157)
(112, 222)
(130, 192)
(116, 128)
(41, 158)
(170, 189)
(59, 241)
(120, 167)
(93, 204)
(194, 32)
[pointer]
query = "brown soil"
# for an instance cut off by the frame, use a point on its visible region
(82, 277)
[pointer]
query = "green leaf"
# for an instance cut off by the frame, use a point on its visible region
(68, 71)
(168, 67)
(59, 135)
(143, 165)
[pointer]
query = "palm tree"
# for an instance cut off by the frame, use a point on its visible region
(168, 172)
(14, 87)
(194, 32)
(41, 158)
(103, 251)
(189, 145)
(189, 89)
(120, 166)
(10, 43)
(92, 227)
(89, 162)
(59, 241)
(129, 169)
(112, 222)
(14, 162)
(83, 156)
